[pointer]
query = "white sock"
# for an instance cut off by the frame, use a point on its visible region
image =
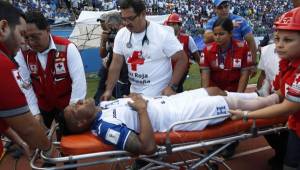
(251, 104)
(245, 96)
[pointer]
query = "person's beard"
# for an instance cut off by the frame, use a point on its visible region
(11, 44)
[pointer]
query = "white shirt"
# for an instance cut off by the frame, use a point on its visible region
(192, 45)
(154, 72)
(165, 110)
(269, 62)
(76, 71)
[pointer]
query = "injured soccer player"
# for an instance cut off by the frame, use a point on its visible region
(130, 123)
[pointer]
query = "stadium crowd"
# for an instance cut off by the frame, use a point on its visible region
(195, 13)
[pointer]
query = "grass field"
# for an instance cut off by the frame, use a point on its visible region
(192, 82)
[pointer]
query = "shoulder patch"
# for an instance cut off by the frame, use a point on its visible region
(112, 136)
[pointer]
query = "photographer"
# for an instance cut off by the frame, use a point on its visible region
(112, 23)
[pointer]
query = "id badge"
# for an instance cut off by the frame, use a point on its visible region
(221, 66)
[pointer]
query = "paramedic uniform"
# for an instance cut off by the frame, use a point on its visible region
(57, 77)
(288, 80)
(225, 68)
(12, 99)
(149, 63)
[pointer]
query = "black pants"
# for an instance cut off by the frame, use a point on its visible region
(119, 90)
(278, 142)
(292, 157)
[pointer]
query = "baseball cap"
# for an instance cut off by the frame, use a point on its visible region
(218, 2)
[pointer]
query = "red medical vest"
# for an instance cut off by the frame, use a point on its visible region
(52, 86)
(184, 40)
(225, 72)
(11, 96)
(288, 81)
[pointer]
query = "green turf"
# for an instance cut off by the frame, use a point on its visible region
(192, 82)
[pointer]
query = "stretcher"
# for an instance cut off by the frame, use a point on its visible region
(86, 149)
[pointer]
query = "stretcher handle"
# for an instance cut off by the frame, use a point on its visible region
(254, 128)
(168, 141)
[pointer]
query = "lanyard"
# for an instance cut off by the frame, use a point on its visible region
(222, 55)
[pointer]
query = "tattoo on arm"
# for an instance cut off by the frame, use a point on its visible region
(133, 143)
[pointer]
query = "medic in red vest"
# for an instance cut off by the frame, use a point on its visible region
(189, 45)
(226, 62)
(54, 67)
(287, 42)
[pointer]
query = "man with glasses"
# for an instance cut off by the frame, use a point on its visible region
(147, 48)
(53, 67)
(241, 31)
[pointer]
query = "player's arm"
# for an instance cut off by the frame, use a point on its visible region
(144, 142)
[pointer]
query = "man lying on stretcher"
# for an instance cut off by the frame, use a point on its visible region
(130, 123)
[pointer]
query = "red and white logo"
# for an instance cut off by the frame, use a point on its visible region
(60, 68)
(135, 60)
(237, 62)
(33, 68)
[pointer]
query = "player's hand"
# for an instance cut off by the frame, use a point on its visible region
(236, 114)
(138, 102)
(168, 91)
(106, 96)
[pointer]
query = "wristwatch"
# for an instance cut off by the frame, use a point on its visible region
(174, 87)
(245, 116)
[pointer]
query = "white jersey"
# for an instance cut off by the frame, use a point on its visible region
(149, 65)
(165, 110)
(269, 62)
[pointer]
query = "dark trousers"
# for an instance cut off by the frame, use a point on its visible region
(119, 90)
(292, 157)
(278, 142)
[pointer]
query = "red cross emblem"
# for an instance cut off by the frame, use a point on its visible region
(135, 59)
(59, 66)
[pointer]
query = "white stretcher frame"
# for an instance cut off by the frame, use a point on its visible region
(118, 156)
